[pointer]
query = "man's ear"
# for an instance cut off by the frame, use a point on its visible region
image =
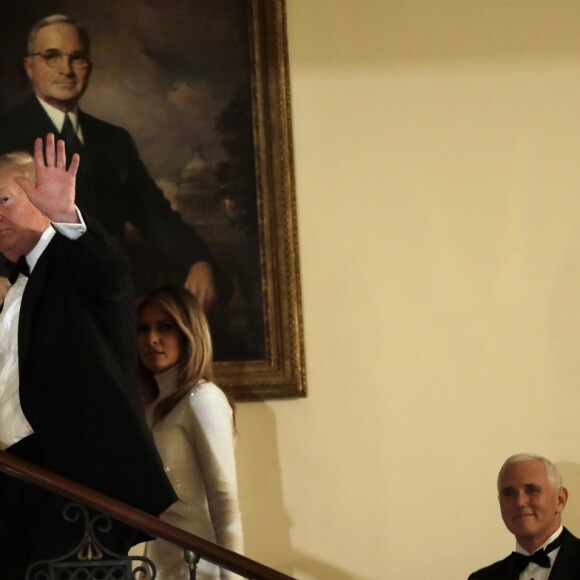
(562, 498)
(27, 62)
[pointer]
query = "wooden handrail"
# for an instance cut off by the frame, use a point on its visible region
(144, 522)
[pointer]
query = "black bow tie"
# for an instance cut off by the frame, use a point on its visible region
(21, 267)
(539, 557)
(521, 561)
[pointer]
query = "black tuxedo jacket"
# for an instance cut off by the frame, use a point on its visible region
(78, 371)
(114, 186)
(566, 566)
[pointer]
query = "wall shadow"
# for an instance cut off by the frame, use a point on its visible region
(267, 524)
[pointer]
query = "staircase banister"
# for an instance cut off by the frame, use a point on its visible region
(144, 522)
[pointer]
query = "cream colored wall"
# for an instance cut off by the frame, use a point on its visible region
(437, 149)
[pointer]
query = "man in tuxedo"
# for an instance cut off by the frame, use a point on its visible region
(531, 499)
(68, 385)
(113, 184)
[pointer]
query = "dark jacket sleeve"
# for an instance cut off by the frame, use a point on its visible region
(125, 193)
(78, 382)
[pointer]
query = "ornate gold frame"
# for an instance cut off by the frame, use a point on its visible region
(282, 373)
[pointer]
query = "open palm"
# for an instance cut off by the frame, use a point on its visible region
(54, 191)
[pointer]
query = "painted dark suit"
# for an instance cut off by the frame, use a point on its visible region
(78, 383)
(566, 566)
(114, 186)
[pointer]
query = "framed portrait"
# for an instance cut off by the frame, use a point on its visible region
(202, 88)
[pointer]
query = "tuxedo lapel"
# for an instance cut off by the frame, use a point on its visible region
(30, 298)
(502, 570)
(510, 570)
(567, 563)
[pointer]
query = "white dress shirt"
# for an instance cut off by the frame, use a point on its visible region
(533, 571)
(13, 423)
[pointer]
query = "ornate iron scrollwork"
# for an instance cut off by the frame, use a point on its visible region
(90, 559)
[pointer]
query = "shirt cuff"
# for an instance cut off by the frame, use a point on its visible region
(71, 231)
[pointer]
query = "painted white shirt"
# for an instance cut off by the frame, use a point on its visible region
(57, 118)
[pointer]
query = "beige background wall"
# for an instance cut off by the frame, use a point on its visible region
(437, 149)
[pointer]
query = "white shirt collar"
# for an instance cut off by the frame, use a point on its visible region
(550, 539)
(57, 117)
(36, 252)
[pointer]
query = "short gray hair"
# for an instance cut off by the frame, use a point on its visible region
(554, 477)
(57, 19)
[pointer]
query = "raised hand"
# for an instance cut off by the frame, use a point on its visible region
(54, 192)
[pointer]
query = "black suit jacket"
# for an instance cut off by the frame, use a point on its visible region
(566, 566)
(78, 371)
(114, 186)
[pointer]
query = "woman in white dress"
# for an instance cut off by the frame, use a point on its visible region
(193, 424)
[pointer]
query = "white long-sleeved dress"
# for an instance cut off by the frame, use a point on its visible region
(196, 443)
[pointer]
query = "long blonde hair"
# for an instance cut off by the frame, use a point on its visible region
(195, 363)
